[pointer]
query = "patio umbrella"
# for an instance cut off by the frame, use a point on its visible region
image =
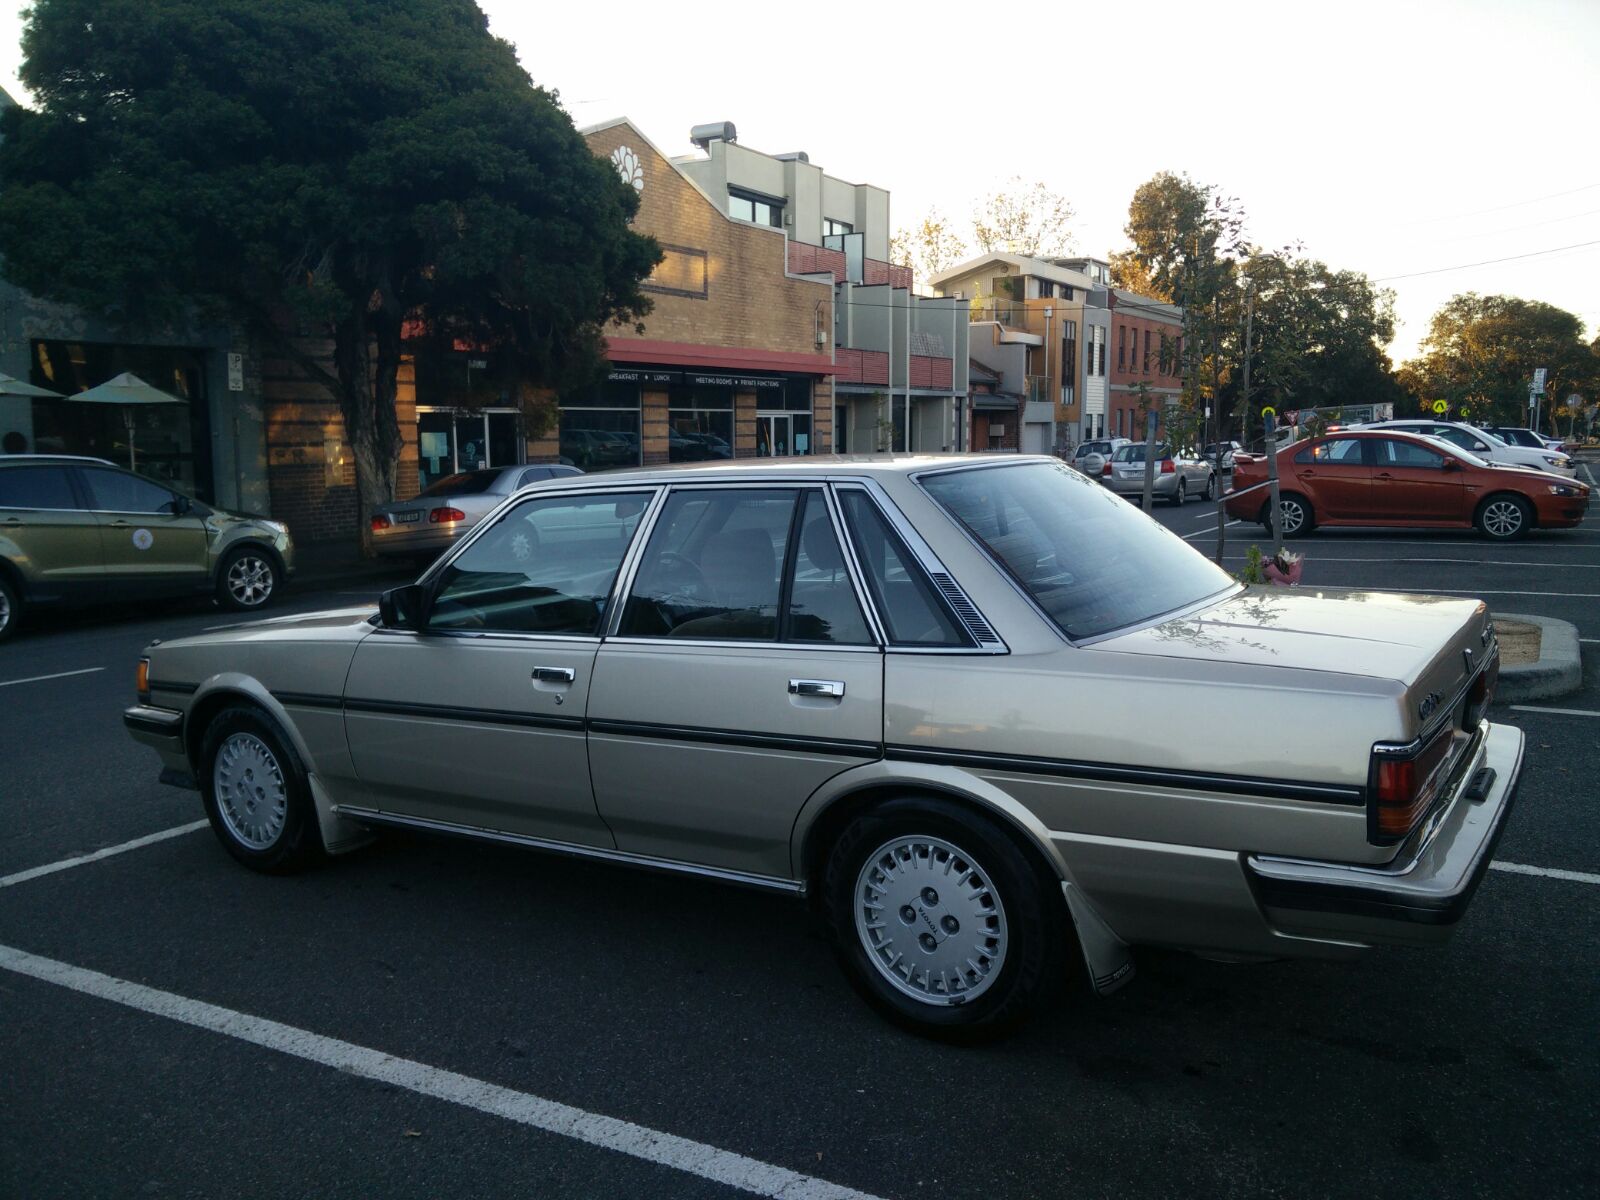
(11, 386)
(127, 391)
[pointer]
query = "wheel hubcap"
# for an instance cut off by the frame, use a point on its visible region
(5, 612)
(1502, 518)
(930, 920)
(250, 580)
(1293, 517)
(251, 796)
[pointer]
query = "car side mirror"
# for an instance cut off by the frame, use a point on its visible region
(404, 607)
(181, 505)
(1452, 464)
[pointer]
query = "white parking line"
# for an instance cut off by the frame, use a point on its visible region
(594, 1129)
(1212, 531)
(1565, 712)
(1546, 872)
(1591, 641)
(67, 863)
(57, 675)
(1470, 562)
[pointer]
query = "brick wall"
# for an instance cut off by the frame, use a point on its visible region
(805, 259)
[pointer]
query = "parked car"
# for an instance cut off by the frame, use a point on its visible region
(899, 688)
(1527, 438)
(450, 507)
(599, 449)
(1177, 475)
(1090, 457)
(1485, 445)
(1220, 455)
(82, 531)
(1384, 476)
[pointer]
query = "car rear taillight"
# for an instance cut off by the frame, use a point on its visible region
(380, 522)
(1404, 782)
(1106, 470)
(439, 515)
(141, 681)
(1167, 467)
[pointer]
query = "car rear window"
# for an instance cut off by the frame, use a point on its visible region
(1134, 452)
(36, 487)
(1090, 560)
(464, 483)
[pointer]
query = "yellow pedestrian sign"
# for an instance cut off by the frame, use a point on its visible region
(1441, 407)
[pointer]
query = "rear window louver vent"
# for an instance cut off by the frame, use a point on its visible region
(969, 616)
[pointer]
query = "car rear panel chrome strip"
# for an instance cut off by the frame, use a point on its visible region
(737, 737)
(771, 883)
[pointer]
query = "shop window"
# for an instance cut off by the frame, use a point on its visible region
(600, 428)
(450, 440)
(700, 424)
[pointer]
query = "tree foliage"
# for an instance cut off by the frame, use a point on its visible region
(1481, 352)
(928, 247)
(1026, 219)
(362, 167)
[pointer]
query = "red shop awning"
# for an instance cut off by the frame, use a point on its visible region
(725, 358)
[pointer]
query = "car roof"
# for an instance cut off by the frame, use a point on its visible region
(820, 466)
(47, 459)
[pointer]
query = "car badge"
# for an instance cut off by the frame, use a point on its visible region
(1429, 705)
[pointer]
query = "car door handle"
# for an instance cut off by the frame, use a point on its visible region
(120, 524)
(554, 674)
(817, 687)
(1383, 475)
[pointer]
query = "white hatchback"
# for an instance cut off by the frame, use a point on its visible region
(1485, 445)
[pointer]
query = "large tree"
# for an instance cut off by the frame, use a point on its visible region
(1026, 219)
(354, 167)
(1481, 352)
(928, 247)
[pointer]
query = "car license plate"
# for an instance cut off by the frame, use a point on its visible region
(406, 517)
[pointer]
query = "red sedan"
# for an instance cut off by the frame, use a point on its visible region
(1385, 477)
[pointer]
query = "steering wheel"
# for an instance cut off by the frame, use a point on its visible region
(680, 576)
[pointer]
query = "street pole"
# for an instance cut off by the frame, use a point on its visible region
(1244, 407)
(1268, 418)
(1149, 459)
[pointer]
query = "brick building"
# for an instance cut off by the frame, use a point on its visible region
(1146, 348)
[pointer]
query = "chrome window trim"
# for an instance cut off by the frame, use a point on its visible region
(734, 644)
(852, 565)
(931, 564)
(1174, 614)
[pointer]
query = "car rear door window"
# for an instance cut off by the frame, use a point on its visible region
(822, 601)
(119, 492)
(1392, 452)
(545, 567)
(1344, 452)
(36, 488)
(912, 610)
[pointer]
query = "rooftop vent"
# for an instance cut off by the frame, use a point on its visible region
(716, 131)
(793, 156)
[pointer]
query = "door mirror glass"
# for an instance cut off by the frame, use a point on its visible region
(1450, 464)
(403, 607)
(546, 566)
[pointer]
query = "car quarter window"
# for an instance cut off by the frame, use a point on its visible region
(117, 491)
(1344, 452)
(546, 566)
(36, 487)
(913, 612)
(1392, 452)
(1460, 437)
(721, 562)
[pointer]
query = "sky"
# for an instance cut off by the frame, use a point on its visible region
(1392, 138)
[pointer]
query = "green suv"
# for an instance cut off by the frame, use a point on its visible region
(79, 531)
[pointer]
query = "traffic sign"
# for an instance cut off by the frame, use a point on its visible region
(1269, 411)
(1538, 379)
(1441, 407)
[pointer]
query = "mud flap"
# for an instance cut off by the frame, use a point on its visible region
(1107, 956)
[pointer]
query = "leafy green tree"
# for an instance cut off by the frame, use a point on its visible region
(352, 167)
(1481, 352)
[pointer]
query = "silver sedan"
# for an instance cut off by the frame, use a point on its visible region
(1177, 475)
(450, 507)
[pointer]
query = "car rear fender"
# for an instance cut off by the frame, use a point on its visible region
(1107, 957)
(233, 687)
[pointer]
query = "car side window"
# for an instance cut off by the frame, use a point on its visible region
(1341, 452)
(546, 566)
(117, 491)
(1394, 453)
(714, 566)
(912, 610)
(822, 600)
(533, 475)
(1460, 437)
(36, 487)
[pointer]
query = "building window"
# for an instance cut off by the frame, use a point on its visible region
(1177, 355)
(1069, 359)
(1100, 357)
(1122, 347)
(1147, 351)
(699, 424)
(600, 427)
(747, 206)
(832, 228)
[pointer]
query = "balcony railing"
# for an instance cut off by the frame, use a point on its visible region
(1013, 314)
(1038, 388)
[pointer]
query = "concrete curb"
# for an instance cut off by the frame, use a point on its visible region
(1558, 672)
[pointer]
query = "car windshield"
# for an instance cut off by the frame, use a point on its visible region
(1134, 452)
(464, 483)
(1491, 438)
(1091, 561)
(1466, 456)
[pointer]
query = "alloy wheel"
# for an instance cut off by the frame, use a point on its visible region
(5, 612)
(252, 797)
(1211, 487)
(250, 580)
(930, 920)
(1503, 518)
(1294, 517)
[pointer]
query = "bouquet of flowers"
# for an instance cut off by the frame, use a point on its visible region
(1283, 568)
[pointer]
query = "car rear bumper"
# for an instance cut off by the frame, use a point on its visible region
(1162, 485)
(1417, 900)
(422, 539)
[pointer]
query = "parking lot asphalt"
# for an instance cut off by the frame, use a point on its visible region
(431, 1018)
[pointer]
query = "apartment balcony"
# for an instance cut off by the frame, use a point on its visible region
(1018, 322)
(815, 260)
(930, 373)
(874, 272)
(870, 367)
(1039, 390)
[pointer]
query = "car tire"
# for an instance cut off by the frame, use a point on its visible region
(1504, 517)
(1211, 485)
(247, 578)
(10, 607)
(1181, 495)
(256, 793)
(1298, 518)
(1012, 911)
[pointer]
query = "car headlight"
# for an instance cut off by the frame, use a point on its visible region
(1556, 460)
(1563, 489)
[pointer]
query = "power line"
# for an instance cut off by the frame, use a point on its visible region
(1588, 187)
(1488, 262)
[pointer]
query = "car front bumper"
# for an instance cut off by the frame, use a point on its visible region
(1417, 899)
(162, 730)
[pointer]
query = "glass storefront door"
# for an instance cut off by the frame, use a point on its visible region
(449, 440)
(779, 435)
